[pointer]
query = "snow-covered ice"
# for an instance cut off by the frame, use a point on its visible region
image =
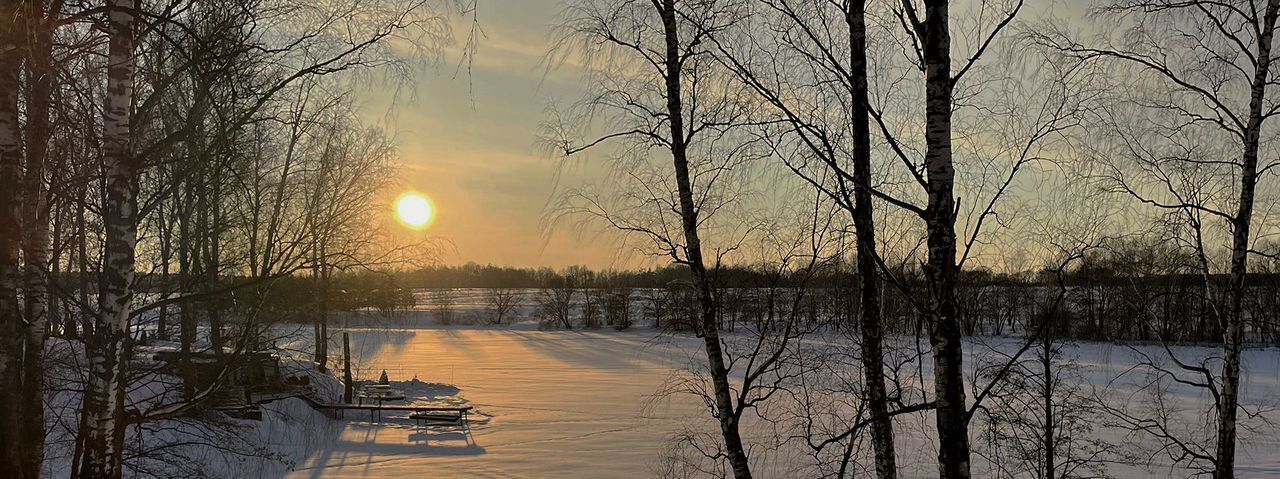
(588, 404)
(583, 404)
(548, 404)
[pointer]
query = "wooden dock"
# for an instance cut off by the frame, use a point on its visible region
(396, 408)
(375, 411)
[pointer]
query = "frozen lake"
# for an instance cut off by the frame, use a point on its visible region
(582, 404)
(553, 404)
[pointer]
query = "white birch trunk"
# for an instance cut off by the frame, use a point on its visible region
(723, 394)
(35, 241)
(1233, 330)
(864, 223)
(941, 270)
(10, 234)
(103, 407)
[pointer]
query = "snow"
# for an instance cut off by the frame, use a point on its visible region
(575, 404)
(589, 404)
(548, 404)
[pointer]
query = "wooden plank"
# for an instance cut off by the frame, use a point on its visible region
(394, 408)
(436, 417)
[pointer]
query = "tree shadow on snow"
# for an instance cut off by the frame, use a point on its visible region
(364, 446)
(596, 350)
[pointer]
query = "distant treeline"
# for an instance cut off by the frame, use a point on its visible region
(380, 289)
(1106, 297)
(1099, 270)
(1128, 290)
(1125, 291)
(472, 275)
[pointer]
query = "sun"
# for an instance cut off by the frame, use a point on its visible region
(414, 211)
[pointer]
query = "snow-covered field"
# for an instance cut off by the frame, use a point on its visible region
(583, 404)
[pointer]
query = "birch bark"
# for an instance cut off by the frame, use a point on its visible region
(103, 408)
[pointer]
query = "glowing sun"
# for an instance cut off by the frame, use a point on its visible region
(414, 210)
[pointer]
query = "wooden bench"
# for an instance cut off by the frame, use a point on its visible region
(425, 415)
(454, 414)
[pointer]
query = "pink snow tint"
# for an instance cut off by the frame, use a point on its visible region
(582, 404)
(548, 404)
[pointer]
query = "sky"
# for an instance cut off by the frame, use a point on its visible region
(469, 140)
(470, 143)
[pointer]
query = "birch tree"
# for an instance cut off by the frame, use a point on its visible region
(1202, 73)
(104, 394)
(840, 141)
(814, 55)
(1027, 125)
(40, 18)
(933, 33)
(11, 54)
(658, 91)
(217, 44)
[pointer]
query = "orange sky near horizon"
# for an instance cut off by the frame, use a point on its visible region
(469, 140)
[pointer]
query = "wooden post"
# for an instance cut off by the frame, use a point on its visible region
(346, 368)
